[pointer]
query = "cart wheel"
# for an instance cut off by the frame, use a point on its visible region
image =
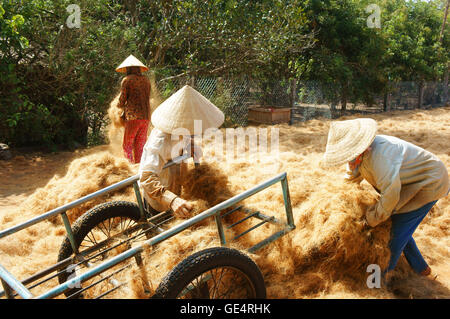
(102, 232)
(214, 273)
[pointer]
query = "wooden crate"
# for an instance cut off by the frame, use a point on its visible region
(269, 115)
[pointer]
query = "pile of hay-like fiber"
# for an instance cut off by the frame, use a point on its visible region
(84, 176)
(325, 256)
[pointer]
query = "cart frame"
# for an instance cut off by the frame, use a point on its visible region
(13, 286)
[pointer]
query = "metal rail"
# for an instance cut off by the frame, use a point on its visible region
(11, 283)
(177, 229)
(8, 281)
(62, 209)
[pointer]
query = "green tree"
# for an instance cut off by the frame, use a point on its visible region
(348, 54)
(414, 52)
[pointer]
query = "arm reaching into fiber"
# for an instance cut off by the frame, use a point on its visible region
(153, 187)
(150, 170)
(353, 176)
(386, 169)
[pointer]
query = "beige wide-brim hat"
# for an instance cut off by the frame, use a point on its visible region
(184, 107)
(348, 139)
(131, 61)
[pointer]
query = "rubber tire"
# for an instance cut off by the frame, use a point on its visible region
(86, 222)
(196, 264)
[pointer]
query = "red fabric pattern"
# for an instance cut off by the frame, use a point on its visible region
(135, 97)
(134, 139)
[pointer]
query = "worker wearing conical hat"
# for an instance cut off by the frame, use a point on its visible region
(134, 100)
(173, 123)
(408, 178)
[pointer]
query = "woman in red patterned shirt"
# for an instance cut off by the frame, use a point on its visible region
(135, 102)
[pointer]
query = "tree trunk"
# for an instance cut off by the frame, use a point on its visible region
(441, 38)
(444, 21)
(131, 6)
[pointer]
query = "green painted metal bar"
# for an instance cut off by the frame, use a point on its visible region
(231, 211)
(270, 219)
(139, 200)
(270, 239)
(191, 287)
(7, 290)
(126, 182)
(259, 215)
(287, 202)
(242, 220)
(220, 229)
(98, 281)
(43, 273)
(61, 209)
(161, 237)
(250, 229)
(70, 260)
(69, 232)
(14, 284)
(109, 291)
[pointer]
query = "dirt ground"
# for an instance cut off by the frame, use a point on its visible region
(28, 172)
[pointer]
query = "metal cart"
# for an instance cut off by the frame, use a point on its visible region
(88, 260)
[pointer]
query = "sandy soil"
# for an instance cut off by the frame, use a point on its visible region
(26, 172)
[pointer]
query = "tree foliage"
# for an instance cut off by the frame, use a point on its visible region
(57, 81)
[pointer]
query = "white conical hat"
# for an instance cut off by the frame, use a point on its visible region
(182, 108)
(348, 139)
(131, 61)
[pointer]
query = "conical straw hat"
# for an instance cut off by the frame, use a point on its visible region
(131, 61)
(182, 108)
(348, 139)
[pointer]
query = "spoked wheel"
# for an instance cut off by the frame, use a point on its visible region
(214, 273)
(101, 233)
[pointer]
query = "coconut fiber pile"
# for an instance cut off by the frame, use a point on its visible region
(326, 256)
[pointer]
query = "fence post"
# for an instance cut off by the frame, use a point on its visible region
(420, 94)
(445, 93)
(192, 81)
(292, 96)
(386, 106)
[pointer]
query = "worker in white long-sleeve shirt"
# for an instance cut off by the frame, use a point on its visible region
(161, 187)
(408, 178)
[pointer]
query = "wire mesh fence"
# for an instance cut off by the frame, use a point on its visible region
(235, 96)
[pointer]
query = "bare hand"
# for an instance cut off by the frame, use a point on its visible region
(370, 212)
(181, 208)
(365, 224)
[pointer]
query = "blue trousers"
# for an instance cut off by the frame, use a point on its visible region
(403, 227)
